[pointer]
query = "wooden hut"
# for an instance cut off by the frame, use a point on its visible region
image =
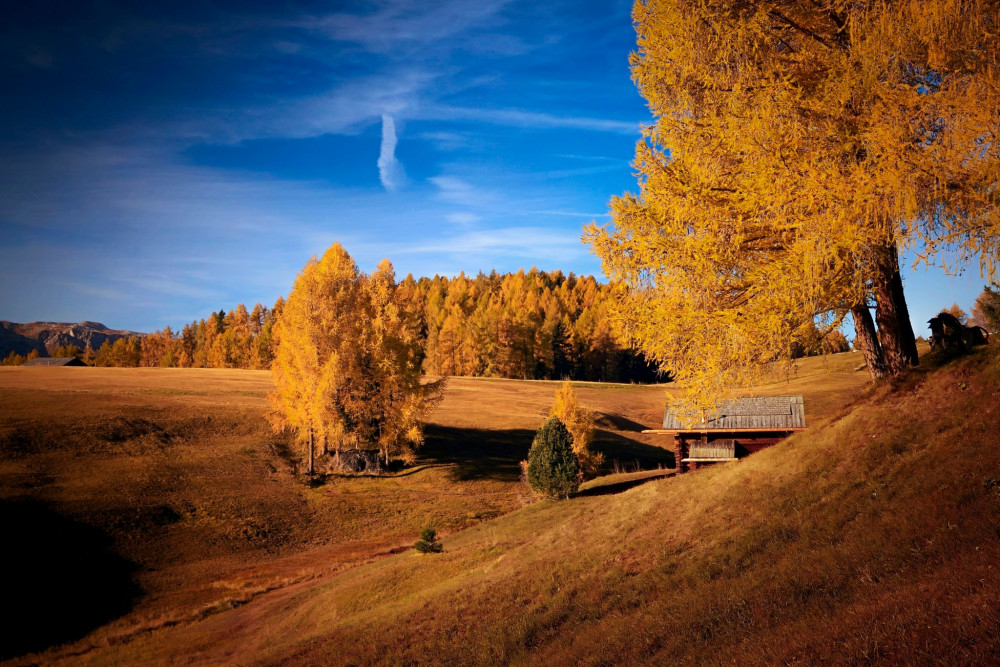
(54, 361)
(738, 427)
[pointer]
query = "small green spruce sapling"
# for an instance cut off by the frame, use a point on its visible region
(428, 542)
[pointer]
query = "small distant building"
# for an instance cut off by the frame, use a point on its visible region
(739, 427)
(54, 361)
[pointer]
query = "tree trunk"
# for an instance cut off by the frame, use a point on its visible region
(310, 471)
(866, 340)
(899, 348)
(909, 341)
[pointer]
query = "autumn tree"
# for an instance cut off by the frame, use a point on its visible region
(385, 400)
(797, 147)
(958, 313)
(67, 351)
(580, 423)
(123, 353)
(986, 311)
(347, 362)
(159, 348)
(13, 359)
(529, 324)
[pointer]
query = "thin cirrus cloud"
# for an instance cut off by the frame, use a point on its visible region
(398, 24)
(535, 119)
(508, 242)
(463, 218)
(424, 131)
(461, 192)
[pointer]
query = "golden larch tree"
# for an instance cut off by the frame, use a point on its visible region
(798, 147)
(580, 423)
(347, 361)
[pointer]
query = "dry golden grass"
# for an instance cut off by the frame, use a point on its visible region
(873, 538)
(812, 549)
(178, 500)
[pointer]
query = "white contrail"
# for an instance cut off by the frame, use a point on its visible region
(390, 171)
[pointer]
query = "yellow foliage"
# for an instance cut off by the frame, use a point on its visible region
(347, 363)
(580, 423)
(796, 146)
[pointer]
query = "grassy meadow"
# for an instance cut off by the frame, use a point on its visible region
(178, 500)
(874, 535)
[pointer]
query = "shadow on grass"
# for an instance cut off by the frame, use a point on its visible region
(396, 468)
(62, 578)
(618, 422)
(488, 454)
(406, 472)
(283, 450)
(477, 453)
(631, 453)
(609, 489)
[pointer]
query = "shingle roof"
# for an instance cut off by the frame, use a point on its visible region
(54, 361)
(761, 412)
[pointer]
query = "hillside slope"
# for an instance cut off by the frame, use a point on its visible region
(144, 497)
(875, 536)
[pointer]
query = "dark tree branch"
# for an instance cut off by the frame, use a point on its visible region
(801, 28)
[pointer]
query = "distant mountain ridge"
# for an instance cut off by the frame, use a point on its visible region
(46, 337)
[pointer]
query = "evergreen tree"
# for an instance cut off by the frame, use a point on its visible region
(553, 469)
(428, 542)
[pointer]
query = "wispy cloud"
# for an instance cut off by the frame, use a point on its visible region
(533, 119)
(446, 140)
(463, 218)
(100, 292)
(460, 192)
(396, 24)
(513, 242)
(346, 108)
(570, 214)
(390, 171)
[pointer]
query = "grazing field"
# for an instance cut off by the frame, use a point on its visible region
(142, 498)
(158, 518)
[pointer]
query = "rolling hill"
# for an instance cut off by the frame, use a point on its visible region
(873, 536)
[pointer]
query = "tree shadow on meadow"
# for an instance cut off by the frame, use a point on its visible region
(62, 578)
(618, 422)
(477, 453)
(630, 453)
(489, 454)
(618, 487)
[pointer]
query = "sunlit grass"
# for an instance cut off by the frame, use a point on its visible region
(872, 536)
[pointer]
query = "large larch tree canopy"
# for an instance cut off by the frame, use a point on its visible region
(798, 148)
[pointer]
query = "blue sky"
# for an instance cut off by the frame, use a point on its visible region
(159, 161)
